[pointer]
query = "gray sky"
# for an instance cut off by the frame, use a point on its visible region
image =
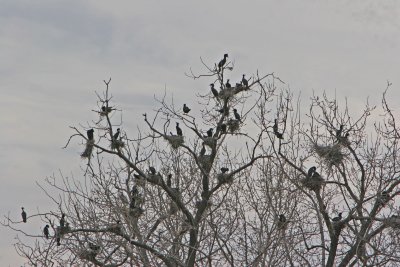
(55, 54)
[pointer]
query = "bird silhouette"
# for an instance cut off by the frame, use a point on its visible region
(339, 132)
(115, 137)
(338, 218)
(222, 62)
(178, 130)
(210, 132)
(244, 81)
(237, 116)
(23, 214)
(169, 180)
(282, 218)
(203, 150)
(214, 91)
(46, 231)
(152, 170)
(311, 171)
(227, 84)
(62, 220)
(223, 128)
(275, 129)
(186, 109)
(90, 134)
(224, 169)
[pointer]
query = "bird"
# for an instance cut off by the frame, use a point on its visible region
(106, 109)
(23, 214)
(244, 81)
(210, 132)
(311, 171)
(222, 62)
(275, 129)
(90, 134)
(46, 231)
(237, 116)
(116, 134)
(58, 241)
(282, 218)
(62, 220)
(228, 85)
(213, 90)
(224, 110)
(94, 248)
(338, 218)
(169, 180)
(339, 132)
(178, 130)
(223, 128)
(203, 150)
(224, 169)
(186, 109)
(152, 170)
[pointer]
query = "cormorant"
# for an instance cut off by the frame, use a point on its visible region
(90, 134)
(237, 116)
(210, 132)
(228, 85)
(244, 81)
(223, 128)
(23, 214)
(224, 169)
(106, 109)
(62, 220)
(339, 132)
(186, 109)
(275, 129)
(46, 231)
(282, 218)
(115, 137)
(178, 130)
(224, 110)
(203, 150)
(338, 218)
(311, 171)
(58, 241)
(213, 90)
(169, 180)
(152, 170)
(222, 62)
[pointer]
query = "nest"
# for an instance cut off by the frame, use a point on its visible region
(209, 141)
(173, 208)
(203, 202)
(225, 178)
(136, 212)
(115, 144)
(88, 149)
(155, 178)
(332, 155)
(393, 221)
(62, 230)
(233, 125)
(89, 255)
(116, 229)
(175, 140)
(226, 93)
(205, 161)
(314, 182)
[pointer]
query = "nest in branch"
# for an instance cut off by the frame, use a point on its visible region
(209, 141)
(314, 182)
(233, 125)
(226, 93)
(175, 140)
(332, 155)
(205, 161)
(393, 221)
(89, 255)
(224, 178)
(136, 212)
(203, 202)
(88, 149)
(155, 178)
(116, 229)
(115, 144)
(62, 230)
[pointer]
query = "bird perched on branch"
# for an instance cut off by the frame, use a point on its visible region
(339, 132)
(169, 180)
(223, 128)
(23, 214)
(152, 170)
(46, 231)
(115, 137)
(178, 130)
(237, 116)
(311, 171)
(338, 218)
(203, 150)
(222, 62)
(244, 81)
(90, 134)
(214, 91)
(210, 132)
(186, 109)
(227, 84)
(224, 169)
(275, 129)
(62, 220)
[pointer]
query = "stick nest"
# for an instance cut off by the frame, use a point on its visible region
(233, 125)
(175, 140)
(331, 155)
(225, 178)
(115, 144)
(314, 182)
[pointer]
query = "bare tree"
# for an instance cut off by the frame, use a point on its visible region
(249, 181)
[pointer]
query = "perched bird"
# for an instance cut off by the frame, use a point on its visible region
(178, 130)
(222, 62)
(94, 248)
(58, 241)
(339, 132)
(186, 109)
(223, 128)
(384, 197)
(115, 137)
(46, 231)
(224, 110)
(169, 180)
(338, 218)
(203, 150)
(311, 171)
(23, 214)
(237, 116)
(152, 170)
(213, 90)
(210, 132)
(90, 134)
(281, 221)
(228, 85)
(282, 218)
(244, 81)
(62, 220)
(106, 109)
(275, 129)
(224, 169)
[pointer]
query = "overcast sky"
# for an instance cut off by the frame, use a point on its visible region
(55, 54)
